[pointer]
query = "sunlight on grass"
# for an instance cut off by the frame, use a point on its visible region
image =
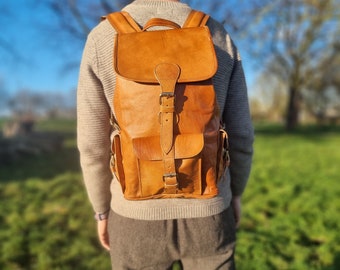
(290, 208)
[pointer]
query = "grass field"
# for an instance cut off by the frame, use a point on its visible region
(290, 208)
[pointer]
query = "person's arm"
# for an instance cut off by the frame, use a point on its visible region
(93, 131)
(237, 208)
(103, 235)
(239, 126)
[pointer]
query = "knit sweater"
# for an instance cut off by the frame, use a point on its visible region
(94, 106)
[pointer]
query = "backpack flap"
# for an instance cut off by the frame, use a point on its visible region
(138, 53)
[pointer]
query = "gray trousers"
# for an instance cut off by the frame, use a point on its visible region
(198, 243)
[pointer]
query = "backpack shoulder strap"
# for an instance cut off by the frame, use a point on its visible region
(196, 18)
(122, 22)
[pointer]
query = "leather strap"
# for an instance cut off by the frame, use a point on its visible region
(167, 75)
(195, 19)
(122, 22)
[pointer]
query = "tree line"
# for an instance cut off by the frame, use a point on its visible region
(293, 43)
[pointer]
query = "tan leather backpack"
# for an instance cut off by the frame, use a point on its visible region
(167, 141)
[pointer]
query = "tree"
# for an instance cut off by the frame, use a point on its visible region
(27, 102)
(79, 17)
(324, 100)
(293, 39)
(268, 99)
(289, 39)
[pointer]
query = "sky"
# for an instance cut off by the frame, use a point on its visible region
(32, 56)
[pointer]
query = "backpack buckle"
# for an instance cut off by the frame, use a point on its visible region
(170, 183)
(169, 175)
(167, 95)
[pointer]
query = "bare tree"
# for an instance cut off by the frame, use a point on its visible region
(292, 39)
(323, 100)
(77, 18)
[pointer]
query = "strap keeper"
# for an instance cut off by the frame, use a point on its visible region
(171, 186)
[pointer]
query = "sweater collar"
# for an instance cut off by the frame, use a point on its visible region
(162, 3)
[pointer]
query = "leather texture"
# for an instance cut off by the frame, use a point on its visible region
(169, 143)
(137, 54)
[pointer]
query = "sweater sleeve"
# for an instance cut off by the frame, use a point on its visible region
(93, 130)
(238, 124)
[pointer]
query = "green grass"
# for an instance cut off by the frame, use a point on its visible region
(290, 207)
(292, 203)
(46, 219)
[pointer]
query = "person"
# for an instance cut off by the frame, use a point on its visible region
(153, 234)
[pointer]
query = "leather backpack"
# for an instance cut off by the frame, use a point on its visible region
(167, 140)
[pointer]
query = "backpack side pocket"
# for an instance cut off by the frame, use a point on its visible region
(116, 160)
(223, 161)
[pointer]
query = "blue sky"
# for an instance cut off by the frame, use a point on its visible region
(32, 59)
(40, 56)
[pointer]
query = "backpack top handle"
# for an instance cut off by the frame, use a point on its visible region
(160, 22)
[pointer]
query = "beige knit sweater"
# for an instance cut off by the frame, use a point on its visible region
(94, 105)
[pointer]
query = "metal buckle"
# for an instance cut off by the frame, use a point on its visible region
(172, 188)
(174, 185)
(169, 175)
(167, 95)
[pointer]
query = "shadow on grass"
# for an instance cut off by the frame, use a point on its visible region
(336, 264)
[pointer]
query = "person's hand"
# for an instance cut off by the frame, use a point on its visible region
(103, 233)
(237, 207)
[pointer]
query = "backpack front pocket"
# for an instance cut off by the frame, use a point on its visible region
(187, 160)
